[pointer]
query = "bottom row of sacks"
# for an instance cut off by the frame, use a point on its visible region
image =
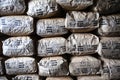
(58, 67)
(36, 77)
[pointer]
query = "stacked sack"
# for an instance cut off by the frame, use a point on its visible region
(59, 40)
(81, 44)
(109, 31)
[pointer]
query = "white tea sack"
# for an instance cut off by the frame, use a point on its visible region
(42, 8)
(16, 25)
(81, 21)
(111, 69)
(51, 46)
(12, 7)
(53, 66)
(109, 47)
(109, 25)
(18, 46)
(82, 44)
(51, 27)
(20, 65)
(84, 66)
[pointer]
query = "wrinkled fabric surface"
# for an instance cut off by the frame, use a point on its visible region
(111, 69)
(109, 25)
(82, 44)
(42, 8)
(109, 47)
(20, 65)
(51, 46)
(18, 46)
(12, 7)
(82, 21)
(53, 66)
(51, 27)
(16, 25)
(84, 66)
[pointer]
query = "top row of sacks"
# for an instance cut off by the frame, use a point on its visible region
(50, 8)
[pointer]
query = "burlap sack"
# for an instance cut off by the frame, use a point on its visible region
(82, 21)
(20, 65)
(51, 27)
(107, 6)
(111, 69)
(12, 7)
(109, 47)
(51, 46)
(109, 25)
(53, 66)
(3, 78)
(84, 65)
(82, 44)
(18, 46)
(75, 4)
(16, 25)
(42, 8)
(1, 66)
(59, 78)
(26, 77)
(91, 78)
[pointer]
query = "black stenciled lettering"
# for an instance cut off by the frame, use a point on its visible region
(104, 46)
(29, 78)
(94, 47)
(39, 12)
(117, 68)
(17, 22)
(72, 24)
(80, 48)
(3, 21)
(21, 65)
(62, 26)
(17, 43)
(80, 24)
(103, 22)
(8, 66)
(49, 29)
(84, 70)
(53, 63)
(49, 50)
(95, 22)
(53, 8)
(117, 21)
(117, 45)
